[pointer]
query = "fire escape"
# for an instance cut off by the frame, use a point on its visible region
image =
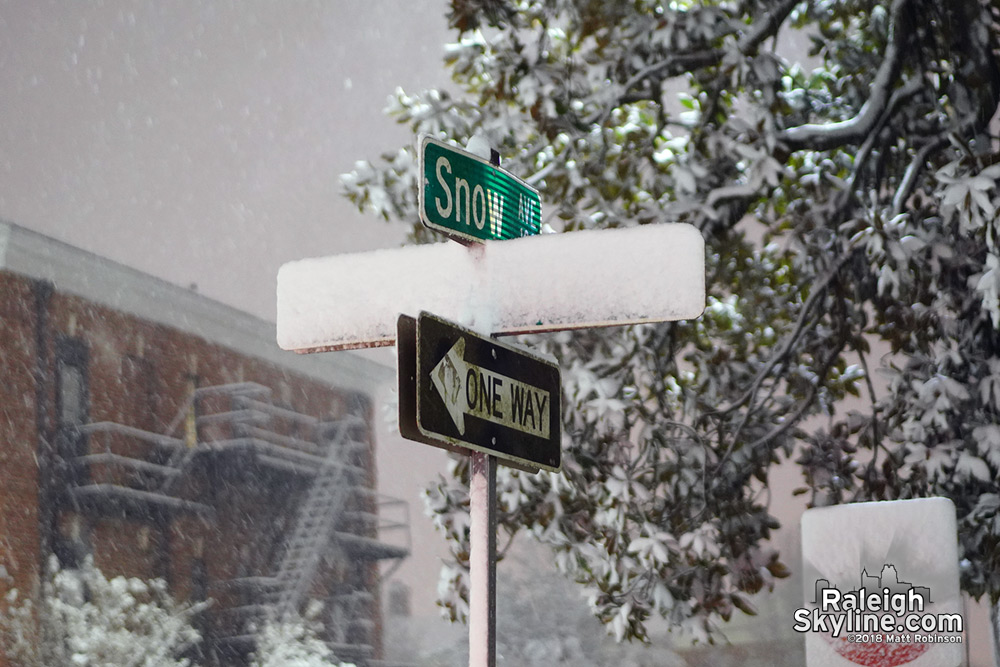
(337, 527)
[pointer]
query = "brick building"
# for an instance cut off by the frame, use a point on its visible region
(166, 435)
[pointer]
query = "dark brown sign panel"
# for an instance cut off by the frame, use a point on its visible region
(475, 392)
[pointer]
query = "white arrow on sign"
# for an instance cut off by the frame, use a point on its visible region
(468, 389)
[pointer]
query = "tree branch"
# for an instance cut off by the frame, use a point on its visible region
(747, 45)
(766, 27)
(815, 293)
(800, 412)
(681, 63)
(830, 135)
(911, 88)
(674, 66)
(872, 466)
(909, 179)
(789, 421)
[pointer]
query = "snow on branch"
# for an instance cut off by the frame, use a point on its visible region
(85, 618)
(830, 135)
(680, 63)
(766, 27)
(909, 179)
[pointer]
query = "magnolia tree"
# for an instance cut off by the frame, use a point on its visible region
(847, 194)
(294, 642)
(87, 619)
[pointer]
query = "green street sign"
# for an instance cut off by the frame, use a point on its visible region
(468, 198)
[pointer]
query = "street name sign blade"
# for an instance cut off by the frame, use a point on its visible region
(479, 393)
(470, 199)
(550, 282)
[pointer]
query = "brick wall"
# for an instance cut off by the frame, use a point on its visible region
(19, 520)
(139, 374)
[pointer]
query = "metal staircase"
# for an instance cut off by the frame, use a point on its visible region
(105, 476)
(317, 520)
(337, 515)
(108, 478)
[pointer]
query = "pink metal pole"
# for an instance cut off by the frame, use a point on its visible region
(482, 561)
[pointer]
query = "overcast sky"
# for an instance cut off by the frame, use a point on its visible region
(202, 141)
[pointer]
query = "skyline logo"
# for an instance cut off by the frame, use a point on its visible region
(884, 622)
(880, 585)
(894, 591)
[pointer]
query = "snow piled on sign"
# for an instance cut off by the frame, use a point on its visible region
(651, 273)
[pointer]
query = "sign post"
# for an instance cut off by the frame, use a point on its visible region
(466, 391)
(496, 205)
(482, 560)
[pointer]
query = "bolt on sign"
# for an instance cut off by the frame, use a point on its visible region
(475, 392)
(470, 199)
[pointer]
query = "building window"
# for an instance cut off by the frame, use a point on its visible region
(138, 398)
(72, 541)
(72, 410)
(399, 599)
(71, 396)
(199, 579)
(71, 375)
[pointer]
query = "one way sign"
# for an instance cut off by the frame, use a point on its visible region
(476, 392)
(468, 389)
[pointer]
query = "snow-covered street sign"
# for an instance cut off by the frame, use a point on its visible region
(552, 282)
(470, 199)
(460, 390)
(881, 588)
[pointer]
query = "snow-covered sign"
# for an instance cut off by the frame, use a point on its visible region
(651, 273)
(880, 585)
(466, 197)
